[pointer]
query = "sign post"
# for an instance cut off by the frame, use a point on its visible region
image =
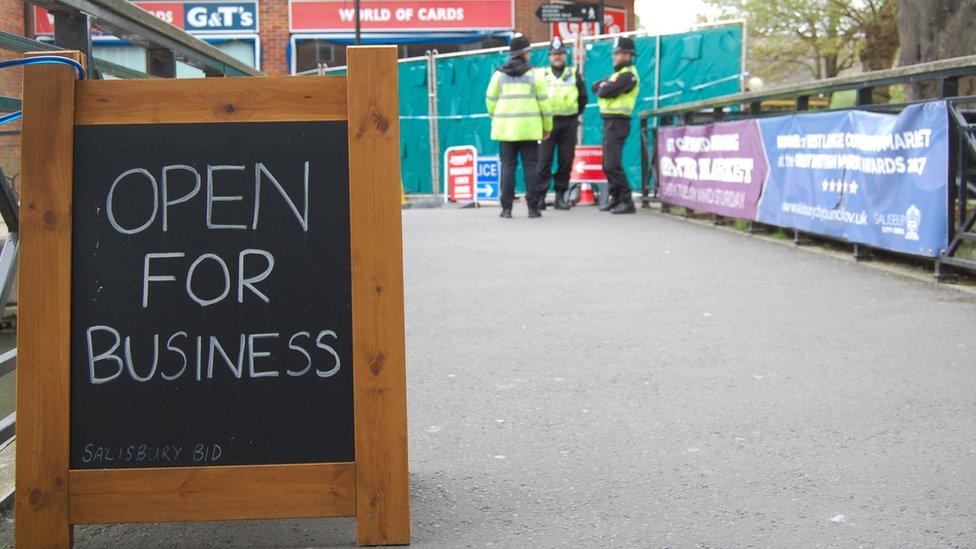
(212, 330)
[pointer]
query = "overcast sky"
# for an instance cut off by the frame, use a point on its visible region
(667, 16)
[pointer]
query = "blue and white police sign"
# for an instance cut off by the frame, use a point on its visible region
(489, 178)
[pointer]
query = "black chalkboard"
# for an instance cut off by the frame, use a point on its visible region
(252, 367)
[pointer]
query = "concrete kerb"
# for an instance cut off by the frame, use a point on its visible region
(887, 266)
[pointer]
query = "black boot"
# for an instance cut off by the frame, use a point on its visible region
(533, 212)
(560, 203)
(625, 207)
(542, 204)
(610, 204)
(506, 213)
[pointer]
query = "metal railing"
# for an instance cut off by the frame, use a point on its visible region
(165, 44)
(9, 211)
(962, 139)
(962, 188)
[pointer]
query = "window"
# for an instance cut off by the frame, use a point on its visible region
(310, 53)
(242, 50)
(134, 57)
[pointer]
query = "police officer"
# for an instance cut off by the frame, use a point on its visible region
(617, 96)
(567, 99)
(518, 105)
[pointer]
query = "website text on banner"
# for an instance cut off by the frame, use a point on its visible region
(870, 178)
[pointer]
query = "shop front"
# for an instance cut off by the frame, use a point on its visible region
(231, 26)
(321, 28)
(304, 36)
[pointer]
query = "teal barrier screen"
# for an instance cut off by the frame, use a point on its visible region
(696, 65)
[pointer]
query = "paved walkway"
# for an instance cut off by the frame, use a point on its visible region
(589, 380)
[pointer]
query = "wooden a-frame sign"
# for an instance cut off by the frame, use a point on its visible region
(75, 132)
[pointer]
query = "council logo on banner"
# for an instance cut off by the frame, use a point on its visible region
(913, 218)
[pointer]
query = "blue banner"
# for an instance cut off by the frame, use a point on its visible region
(875, 179)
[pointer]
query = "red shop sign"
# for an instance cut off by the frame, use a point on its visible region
(401, 15)
(170, 12)
(615, 19)
(195, 17)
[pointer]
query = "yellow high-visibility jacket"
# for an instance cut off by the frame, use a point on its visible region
(623, 104)
(563, 93)
(518, 103)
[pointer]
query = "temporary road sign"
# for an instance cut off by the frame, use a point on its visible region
(588, 166)
(459, 176)
(489, 177)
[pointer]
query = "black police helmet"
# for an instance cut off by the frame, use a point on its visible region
(520, 45)
(557, 46)
(624, 44)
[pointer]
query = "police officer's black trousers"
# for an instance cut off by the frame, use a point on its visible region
(562, 141)
(615, 132)
(508, 154)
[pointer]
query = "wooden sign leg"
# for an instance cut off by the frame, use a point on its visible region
(44, 316)
(382, 482)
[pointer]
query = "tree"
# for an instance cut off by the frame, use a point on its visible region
(936, 29)
(800, 39)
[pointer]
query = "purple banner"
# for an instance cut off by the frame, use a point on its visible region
(718, 168)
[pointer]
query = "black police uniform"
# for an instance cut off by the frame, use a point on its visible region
(562, 141)
(616, 129)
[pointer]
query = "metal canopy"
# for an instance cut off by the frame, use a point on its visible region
(945, 68)
(131, 23)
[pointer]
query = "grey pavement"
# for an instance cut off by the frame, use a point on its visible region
(589, 380)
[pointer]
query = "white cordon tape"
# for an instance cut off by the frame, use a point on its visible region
(588, 105)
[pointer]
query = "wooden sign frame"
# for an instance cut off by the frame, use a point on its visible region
(374, 488)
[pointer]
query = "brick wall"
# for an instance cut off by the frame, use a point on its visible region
(11, 20)
(274, 36)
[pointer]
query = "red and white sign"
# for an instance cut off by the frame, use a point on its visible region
(615, 20)
(168, 12)
(588, 165)
(401, 15)
(43, 22)
(196, 17)
(460, 179)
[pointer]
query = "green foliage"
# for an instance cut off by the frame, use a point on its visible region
(843, 99)
(800, 39)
